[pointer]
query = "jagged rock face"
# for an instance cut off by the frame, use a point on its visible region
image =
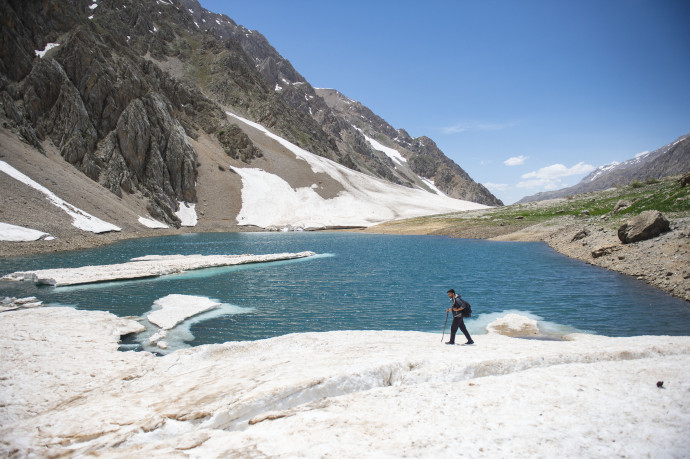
(103, 99)
(326, 129)
(113, 115)
(237, 144)
(423, 156)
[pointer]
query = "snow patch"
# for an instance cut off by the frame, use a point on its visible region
(392, 153)
(151, 223)
(49, 46)
(80, 219)
(14, 233)
(187, 213)
(432, 185)
(268, 200)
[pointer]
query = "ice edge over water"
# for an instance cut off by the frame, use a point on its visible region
(168, 325)
(377, 391)
(143, 267)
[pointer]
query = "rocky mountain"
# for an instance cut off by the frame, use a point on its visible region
(135, 94)
(671, 159)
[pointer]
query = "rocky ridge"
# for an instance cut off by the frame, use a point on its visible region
(123, 89)
(422, 159)
(671, 159)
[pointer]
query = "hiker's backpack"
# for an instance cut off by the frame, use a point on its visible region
(467, 312)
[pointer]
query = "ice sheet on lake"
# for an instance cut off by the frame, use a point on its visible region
(147, 266)
(173, 316)
(174, 309)
(67, 391)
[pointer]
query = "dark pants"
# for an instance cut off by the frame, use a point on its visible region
(458, 322)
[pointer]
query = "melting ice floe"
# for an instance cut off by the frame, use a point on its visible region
(517, 323)
(170, 321)
(80, 219)
(173, 309)
(147, 266)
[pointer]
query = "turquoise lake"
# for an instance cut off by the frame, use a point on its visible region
(366, 282)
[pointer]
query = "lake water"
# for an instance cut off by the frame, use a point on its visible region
(363, 281)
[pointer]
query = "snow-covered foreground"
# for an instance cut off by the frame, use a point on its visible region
(66, 390)
(147, 266)
(269, 201)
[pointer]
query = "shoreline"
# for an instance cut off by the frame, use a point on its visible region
(662, 262)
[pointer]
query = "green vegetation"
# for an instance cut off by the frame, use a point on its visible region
(665, 195)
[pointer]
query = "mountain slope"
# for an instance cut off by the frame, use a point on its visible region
(134, 94)
(671, 159)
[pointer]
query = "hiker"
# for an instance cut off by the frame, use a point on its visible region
(457, 306)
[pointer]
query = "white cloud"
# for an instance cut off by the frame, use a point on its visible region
(515, 160)
(559, 170)
(496, 186)
(464, 127)
(549, 177)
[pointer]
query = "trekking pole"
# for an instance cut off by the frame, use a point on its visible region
(444, 327)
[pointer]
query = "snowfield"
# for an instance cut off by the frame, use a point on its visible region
(269, 201)
(67, 391)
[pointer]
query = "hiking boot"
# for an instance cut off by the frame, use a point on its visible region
(469, 342)
(448, 342)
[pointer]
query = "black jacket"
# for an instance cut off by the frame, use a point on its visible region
(457, 303)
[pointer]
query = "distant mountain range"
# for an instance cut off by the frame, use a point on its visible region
(135, 95)
(671, 159)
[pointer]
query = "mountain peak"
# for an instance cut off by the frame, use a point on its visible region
(671, 159)
(134, 97)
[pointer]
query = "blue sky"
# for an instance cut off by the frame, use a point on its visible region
(524, 95)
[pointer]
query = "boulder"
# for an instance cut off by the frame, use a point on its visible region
(684, 180)
(604, 250)
(647, 225)
(583, 233)
(620, 205)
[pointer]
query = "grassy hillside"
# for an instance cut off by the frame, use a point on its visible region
(665, 195)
